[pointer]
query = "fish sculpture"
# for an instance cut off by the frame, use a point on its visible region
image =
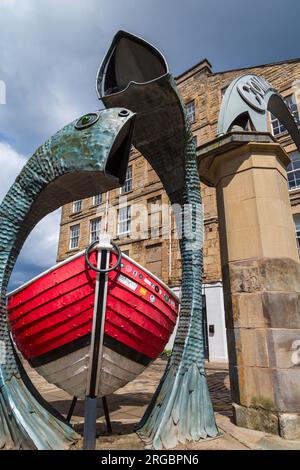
(86, 157)
(134, 74)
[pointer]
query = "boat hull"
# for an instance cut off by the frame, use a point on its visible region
(51, 320)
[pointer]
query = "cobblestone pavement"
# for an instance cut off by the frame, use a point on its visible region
(128, 404)
(218, 383)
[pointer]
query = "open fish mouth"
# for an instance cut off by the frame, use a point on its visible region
(129, 60)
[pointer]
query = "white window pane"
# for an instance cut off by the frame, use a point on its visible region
(74, 236)
(97, 200)
(291, 103)
(190, 109)
(127, 186)
(95, 227)
(124, 224)
(297, 230)
(293, 171)
(77, 206)
(277, 127)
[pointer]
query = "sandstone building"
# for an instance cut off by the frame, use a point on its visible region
(138, 215)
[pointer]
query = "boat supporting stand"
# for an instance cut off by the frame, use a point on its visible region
(105, 410)
(106, 414)
(104, 247)
(72, 408)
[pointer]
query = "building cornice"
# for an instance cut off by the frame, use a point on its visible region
(205, 66)
(269, 64)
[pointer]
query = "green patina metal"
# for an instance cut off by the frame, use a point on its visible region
(135, 75)
(246, 103)
(84, 158)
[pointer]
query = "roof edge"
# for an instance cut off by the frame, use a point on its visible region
(205, 63)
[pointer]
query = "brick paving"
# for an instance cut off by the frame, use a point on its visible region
(218, 383)
(128, 404)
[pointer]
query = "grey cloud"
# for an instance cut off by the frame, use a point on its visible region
(39, 251)
(50, 51)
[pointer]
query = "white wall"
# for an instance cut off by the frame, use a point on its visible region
(215, 316)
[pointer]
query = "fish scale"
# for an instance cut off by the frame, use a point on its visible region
(163, 136)
(26, 421)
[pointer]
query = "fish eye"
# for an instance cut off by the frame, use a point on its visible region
(86, 121)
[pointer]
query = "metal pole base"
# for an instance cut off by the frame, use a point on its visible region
(90, 417)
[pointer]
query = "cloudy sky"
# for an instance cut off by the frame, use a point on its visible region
(50, 51)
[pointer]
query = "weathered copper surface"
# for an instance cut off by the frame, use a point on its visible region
(73, 164)
(181, 408)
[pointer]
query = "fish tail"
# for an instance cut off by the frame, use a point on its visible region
(27, 421)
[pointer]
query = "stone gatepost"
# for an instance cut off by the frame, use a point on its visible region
(261, 276)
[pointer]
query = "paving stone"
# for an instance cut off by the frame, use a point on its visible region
(129, 403)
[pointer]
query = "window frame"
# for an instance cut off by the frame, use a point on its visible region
(291, 170)
(93, 221)
(76, 210)
(191, 115)
(154, 216)
(95, 203)
(297, 231)
(276, 124)
(126, 220)
(127, 186)
(72, 237)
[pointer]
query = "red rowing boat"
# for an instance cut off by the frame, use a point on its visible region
(55, 322)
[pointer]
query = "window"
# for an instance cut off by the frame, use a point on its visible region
(95, 227)
(292, 105)
(277, 127)
(154, 259)
(77, 206)
(190, 109)
(124, 220)
(297, 228)
(128, 181)
(97, 200)
(154, 216)
(293, 171)
(74, 236)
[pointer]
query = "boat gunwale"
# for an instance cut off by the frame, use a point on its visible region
(78, 255)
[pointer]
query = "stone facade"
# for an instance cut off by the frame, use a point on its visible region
(205, 88)
(261, 276)
(160, 253)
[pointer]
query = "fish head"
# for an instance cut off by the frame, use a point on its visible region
(98, 144)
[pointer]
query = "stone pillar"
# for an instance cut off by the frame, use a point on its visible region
(261, 276)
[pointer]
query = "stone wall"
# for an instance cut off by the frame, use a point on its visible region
(204, 88)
